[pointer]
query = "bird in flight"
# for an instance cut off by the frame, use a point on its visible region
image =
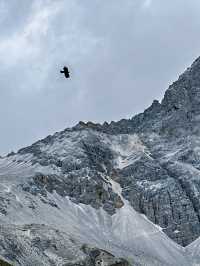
(66, 72)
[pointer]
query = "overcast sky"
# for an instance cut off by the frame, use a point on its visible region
(121, 54)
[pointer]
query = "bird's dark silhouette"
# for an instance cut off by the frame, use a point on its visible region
(66, 72)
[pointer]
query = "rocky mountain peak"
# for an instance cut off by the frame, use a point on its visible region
(72, 196)
(179, 111)
(185, 92)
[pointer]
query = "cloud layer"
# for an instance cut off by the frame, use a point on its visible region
(121, 57)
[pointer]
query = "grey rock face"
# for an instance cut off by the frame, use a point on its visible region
(26, 245)
(165, 185)
(155, 157)
(155, 180)
(92, 191)
(162, 181)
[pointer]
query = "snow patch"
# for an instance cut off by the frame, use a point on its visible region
(127, 149)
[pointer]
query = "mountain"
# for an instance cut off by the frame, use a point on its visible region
(124, 193)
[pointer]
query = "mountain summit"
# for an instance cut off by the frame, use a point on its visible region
(124, 193)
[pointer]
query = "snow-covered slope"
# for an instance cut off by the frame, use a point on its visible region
(194, 251)
(29, 215)
(126, 234)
